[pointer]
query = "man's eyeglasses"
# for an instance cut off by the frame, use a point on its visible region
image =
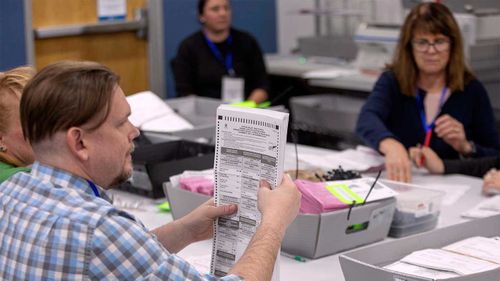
(440, 45)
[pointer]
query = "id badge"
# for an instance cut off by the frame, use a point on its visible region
(232, 89)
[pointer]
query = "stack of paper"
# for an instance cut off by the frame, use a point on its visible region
(361, 159)
(469, 256)
(330, 73)
(150, 113)
(320, 197)
(487, 208)
(195, 181)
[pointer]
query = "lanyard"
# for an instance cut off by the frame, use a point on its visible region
(94, 188)
(428, 127)
(228, 61)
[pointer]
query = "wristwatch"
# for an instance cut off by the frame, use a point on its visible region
(472, 150)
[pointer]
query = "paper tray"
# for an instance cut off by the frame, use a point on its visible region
(311, 236)
(155, 163)
(367, 263)
(327, 114)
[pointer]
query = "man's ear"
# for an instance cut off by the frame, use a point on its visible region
(76, 143)
(3, 146)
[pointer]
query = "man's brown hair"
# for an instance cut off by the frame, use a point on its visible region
(64, 95)
(433, 18)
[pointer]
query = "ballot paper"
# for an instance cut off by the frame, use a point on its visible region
(421, 271)
(249, 146)
(448, 261)
(150, 113)
(330, 73)
(487, 249)
(487, 208)
(321, 197)
(360, 159)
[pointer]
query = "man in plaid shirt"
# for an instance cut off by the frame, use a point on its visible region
(55, 223)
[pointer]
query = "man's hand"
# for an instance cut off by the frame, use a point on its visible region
(281, 205)
(452, 132)
(427, 158)
(397, 162)
(195, 226)
(198, 225)
(278, 207)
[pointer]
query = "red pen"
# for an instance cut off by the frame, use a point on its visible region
(427, 142)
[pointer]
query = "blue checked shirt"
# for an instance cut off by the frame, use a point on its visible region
(52, 226)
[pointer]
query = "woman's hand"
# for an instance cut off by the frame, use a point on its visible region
(397, 162)
(452, 132)
(427, 158)
(491, 184)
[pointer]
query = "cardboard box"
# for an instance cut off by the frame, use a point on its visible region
(368, 263)
(313, 236)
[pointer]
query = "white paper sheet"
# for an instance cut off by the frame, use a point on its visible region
(329, 73)
(359, 159)
(484, 248)
(448, 261)
(250, 146)
(486, 208)
(420, 271)
(151, 113)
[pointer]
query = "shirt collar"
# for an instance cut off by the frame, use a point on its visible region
(63, 178)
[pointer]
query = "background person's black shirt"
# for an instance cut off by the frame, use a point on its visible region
(197, 71)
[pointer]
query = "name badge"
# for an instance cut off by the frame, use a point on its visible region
(232, 89)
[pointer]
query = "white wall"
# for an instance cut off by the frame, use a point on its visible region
(292, 25)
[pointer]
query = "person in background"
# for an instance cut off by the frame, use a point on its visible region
(75, 116)
(486, 167)
(219, 54)
(428, 97)
(15, 152)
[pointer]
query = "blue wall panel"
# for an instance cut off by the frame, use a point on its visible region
(12, 40)
(255, 16)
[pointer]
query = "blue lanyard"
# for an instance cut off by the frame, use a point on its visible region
(420, 104)
(94, 188)
(228, 61)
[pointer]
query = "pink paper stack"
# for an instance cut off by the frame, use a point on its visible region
(316, 199)
(198, 184)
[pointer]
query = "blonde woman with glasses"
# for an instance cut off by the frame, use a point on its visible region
(428, 97)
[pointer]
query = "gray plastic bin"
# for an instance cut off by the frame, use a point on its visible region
(367, 263)
(326, 114)
(312, 235)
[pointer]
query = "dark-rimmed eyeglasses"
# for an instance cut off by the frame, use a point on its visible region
(440, 45)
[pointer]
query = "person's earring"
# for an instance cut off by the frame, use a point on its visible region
(3, 148)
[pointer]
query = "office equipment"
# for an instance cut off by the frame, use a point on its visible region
(155, 163)
(367, 263)
(376, 44)
(326, 114)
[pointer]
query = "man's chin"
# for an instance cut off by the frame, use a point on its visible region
(121, 178)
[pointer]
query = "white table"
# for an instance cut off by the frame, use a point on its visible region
(327, 268)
